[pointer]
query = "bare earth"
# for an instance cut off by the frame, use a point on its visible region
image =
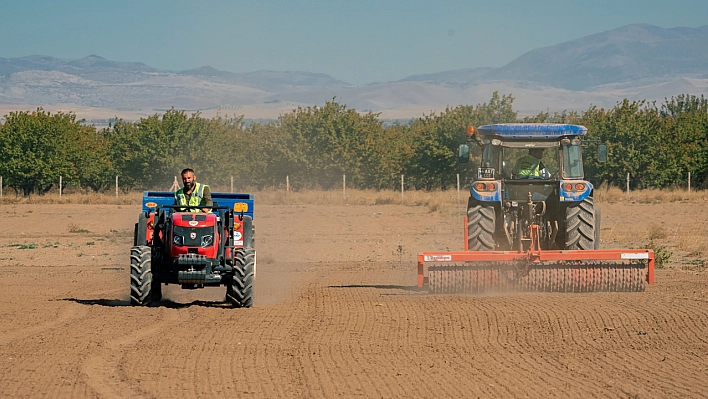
(336, 315)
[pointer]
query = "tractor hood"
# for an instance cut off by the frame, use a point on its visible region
(193, 219)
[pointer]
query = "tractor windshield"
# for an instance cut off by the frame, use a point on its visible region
(534, 163)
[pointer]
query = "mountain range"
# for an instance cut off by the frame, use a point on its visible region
(634, 61)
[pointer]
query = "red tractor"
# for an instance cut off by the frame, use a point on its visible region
(175, 245)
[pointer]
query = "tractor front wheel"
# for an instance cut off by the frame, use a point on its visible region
(140, 276)
(480, 226)
(240, 290)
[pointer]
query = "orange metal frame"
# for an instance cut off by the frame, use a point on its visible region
(534, 255)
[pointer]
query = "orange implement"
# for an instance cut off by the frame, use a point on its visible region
(537, 270)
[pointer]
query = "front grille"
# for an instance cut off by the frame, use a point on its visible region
(193, 241)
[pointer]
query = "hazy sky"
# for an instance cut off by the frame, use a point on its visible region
(358, 41)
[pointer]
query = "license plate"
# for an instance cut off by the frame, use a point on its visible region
(485, 173)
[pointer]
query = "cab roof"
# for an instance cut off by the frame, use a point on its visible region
(531, 130)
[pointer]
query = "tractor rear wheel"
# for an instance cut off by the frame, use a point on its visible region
(240, 291)
(480, 226)
(580, 225)
(140, 276)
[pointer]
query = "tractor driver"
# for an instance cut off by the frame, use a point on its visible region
(193, 193)
(530, 166)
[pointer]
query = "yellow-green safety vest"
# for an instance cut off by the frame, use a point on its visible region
(528, 166)
(196, 199)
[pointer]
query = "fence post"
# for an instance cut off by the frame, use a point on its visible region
(60, 181)
(628, 184)
(174, 187)
(689, 182)
(116, 186)
(401, 186)
(344, 186)
(287, 184)
(458, 187)
(232, 184)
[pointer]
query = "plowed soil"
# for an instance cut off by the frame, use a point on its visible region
(337, 314)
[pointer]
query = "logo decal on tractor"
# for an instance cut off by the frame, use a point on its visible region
(237, 235)
(438, 258)
(193, 223)
(151, 205)
(635, 256)
(240, 207)
(193, 235)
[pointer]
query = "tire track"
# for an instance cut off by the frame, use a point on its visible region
(583, 345)
(336, 328)
(64, 315)
(544, 328)
(104, 369)
(626, 354)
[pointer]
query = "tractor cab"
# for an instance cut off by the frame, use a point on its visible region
(542, 159)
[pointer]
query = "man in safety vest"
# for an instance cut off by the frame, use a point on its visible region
(530, 166)
(193, 193)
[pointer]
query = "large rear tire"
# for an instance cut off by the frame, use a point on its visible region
(240, 291)
(580, 225)
(480, 226)
(140, 276)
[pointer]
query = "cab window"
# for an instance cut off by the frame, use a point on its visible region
(572, 164)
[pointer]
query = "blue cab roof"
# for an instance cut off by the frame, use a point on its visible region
(531, 130)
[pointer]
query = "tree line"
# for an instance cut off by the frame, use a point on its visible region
(658, 144)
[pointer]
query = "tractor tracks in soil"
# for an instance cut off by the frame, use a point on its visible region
(104, 367)
(64, 315)
(384, 342)
(339, 328)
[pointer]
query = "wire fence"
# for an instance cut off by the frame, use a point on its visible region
(461, 183)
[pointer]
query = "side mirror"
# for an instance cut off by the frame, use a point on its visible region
(464, 153)
(602, 153)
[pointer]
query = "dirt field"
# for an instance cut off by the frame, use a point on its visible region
(337, 314)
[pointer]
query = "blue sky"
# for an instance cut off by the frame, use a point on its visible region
(358, 41)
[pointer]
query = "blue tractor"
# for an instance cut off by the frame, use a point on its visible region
(532, 224)
(531, 174)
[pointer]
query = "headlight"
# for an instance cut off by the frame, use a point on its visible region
(207, 241)
(178, 240)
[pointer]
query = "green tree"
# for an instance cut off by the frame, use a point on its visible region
(317, 145)
(38, 147)
(435, 139)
